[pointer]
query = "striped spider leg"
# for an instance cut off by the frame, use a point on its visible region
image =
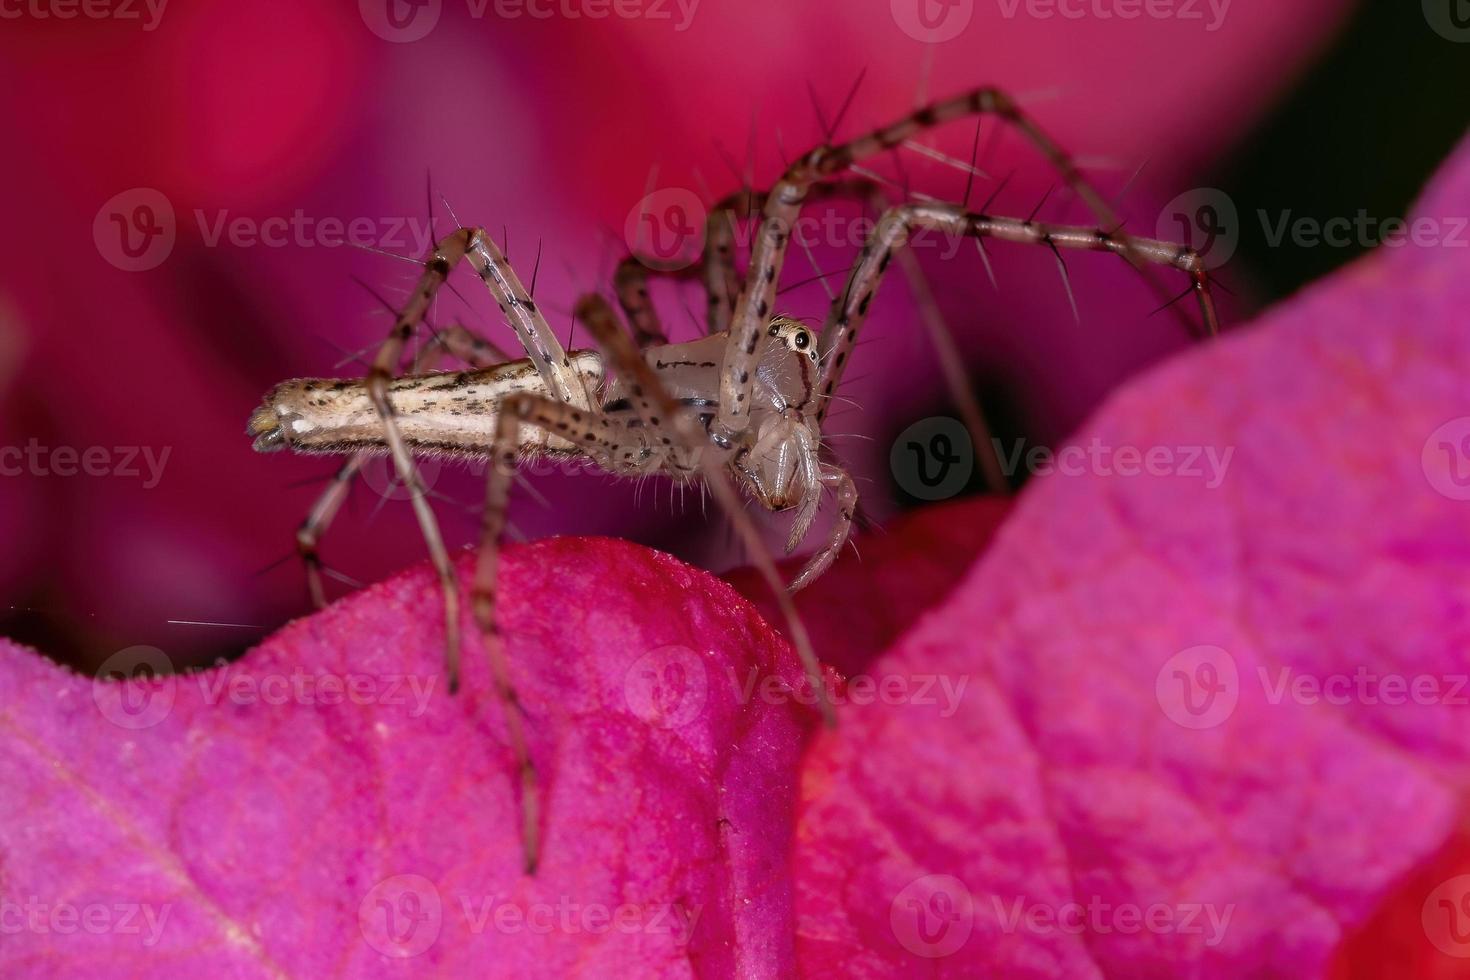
(555, 403)
(839, 332)
(784, 202)
(298, 414)
(455, 340)
(716, 270)
(427, 412)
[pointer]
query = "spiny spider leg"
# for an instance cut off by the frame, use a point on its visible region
(630, 282)
(847, 500)
(717, 269)
(722, 285)
(721, 278)
(602, 440)
(543, 349)
(535, 335)
(951, 365)
(675, 433)
(456, 340)
(442, 260)
(839, 333)
(768, 252)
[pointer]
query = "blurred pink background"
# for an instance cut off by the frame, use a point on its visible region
(550, 129)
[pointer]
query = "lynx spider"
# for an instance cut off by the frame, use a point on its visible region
(739, 408)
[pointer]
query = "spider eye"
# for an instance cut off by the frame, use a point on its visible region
(802, 340)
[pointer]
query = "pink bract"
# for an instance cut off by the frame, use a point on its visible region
(1164, 714)
(322, 807)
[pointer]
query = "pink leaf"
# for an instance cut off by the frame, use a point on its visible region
(1163, 762)
(235, 823)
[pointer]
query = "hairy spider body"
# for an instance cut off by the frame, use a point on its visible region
(775, 460)
(740, 408)
(444, 412)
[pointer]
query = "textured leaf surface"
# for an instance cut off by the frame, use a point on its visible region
(1206, 728)
(238, 823)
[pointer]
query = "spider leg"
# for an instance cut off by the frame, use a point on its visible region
(630, 282)
(607, 443)
(686, 447)
(847, 497)
(721, 279)
(456, 340)
(541, 345)
(717, 271)
(535, 335)
(839, 333)
(951, 365)
(785, 200)
(445, 256)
